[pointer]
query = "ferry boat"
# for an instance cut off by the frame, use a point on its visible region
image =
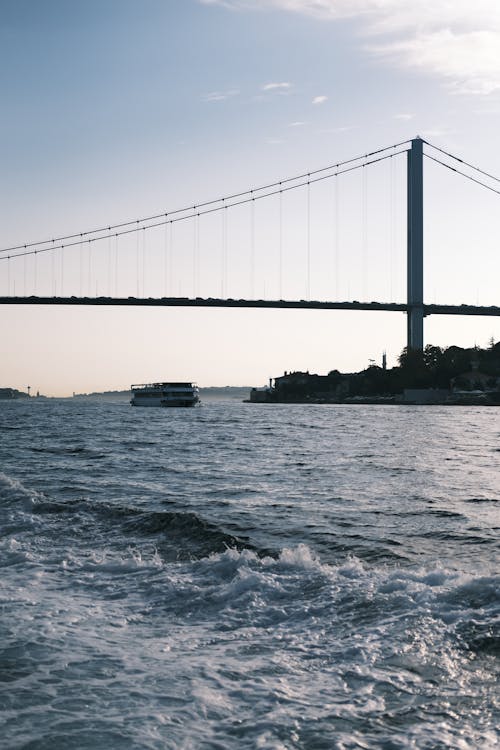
(164, 394)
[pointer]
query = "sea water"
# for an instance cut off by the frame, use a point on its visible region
(249, 576)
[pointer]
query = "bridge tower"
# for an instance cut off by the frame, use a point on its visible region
(415, 246)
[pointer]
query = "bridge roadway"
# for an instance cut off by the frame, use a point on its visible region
(257, 303)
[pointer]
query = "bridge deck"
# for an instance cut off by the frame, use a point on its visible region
(250, 303)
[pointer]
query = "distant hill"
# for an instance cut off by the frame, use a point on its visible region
(223, 393)
(103, 396)
(226, 393)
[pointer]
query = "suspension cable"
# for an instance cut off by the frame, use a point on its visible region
(462, 161)
(166, 220)
(458, 171)
(197, 206)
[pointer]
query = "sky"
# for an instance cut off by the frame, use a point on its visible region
(115, 110)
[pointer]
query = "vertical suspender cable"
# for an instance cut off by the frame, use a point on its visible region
(8, 275)
(90, 269)
(195, 231)
(137, 264)
(336, 236)
(109, 265)
(364, 231)
(35, 275)
(81, 266)
(143, 261)
(116, 265)
(52, 269)
(62, 272)
(225, 251)
(391, 228)
(337, 230)
(223, 240)
(197, 289)
(281, 244)
(308, 275)
(397, 230)
(252, 248)
(165, 260)
(171, 258)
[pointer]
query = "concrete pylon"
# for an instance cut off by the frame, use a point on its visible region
(415, 246)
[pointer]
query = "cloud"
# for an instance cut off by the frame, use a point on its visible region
(404, 116)
(284, 86)
(319, 99)
(220, 96)
(341, 129)
(296, 124)
(457, 40)
(318, 8)
(469, 61)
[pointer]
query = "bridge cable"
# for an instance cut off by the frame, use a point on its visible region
(53, 275)
(398, 228)
(226, 266)
(364, 233)
(165, 261)
(458, 171)
(195, 255)
(252, 249)
(391, 229)
(223, 241)
(281, 244)
(203, 204)
(109, 262)
(81, 266)
(137, 262)
(62, 274)
(116, 266)
(144, 263)
(171, 259)
(207, 211)
(90, 270)
(308, 276)
(462, 161)
(225, 250)
(199, 254)
(336, 238)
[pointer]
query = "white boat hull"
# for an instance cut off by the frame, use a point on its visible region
(165, 395)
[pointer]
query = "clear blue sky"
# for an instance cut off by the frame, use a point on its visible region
(114, 109)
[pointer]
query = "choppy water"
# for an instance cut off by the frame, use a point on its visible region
(241, 576)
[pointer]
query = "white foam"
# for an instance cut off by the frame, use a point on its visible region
(13, 489)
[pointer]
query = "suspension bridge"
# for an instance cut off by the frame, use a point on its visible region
(223, 252)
